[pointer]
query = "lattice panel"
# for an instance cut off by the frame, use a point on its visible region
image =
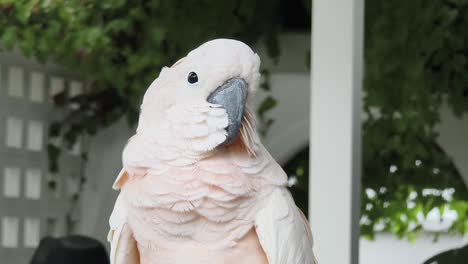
(29, 209)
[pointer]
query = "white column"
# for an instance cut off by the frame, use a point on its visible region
(335, 138)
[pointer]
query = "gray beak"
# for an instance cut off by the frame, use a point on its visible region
(231, 96)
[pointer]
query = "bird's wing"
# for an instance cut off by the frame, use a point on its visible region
(283, 231)
(121, 179)
(123, 246)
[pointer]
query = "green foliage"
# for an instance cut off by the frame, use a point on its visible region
(416, 56)
(415, 59)
(268, 103)
(121, 46)
(298, 168)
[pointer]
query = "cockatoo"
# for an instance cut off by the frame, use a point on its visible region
(197, 185)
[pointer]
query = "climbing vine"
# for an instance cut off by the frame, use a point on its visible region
(121, 46)
(416, 59)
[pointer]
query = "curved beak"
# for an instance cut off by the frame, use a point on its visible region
(231, 96)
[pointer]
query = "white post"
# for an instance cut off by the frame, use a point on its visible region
(335, 138)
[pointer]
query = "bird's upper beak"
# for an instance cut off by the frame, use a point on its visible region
(232, 96)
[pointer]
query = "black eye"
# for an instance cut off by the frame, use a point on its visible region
(192, 78)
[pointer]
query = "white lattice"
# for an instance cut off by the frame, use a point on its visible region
(31, 232)
(14, 132)
(29, 208)
(33, 184)
(11, 182)
(10, 227)
(37, 85)
(16, 81)
(35, 135)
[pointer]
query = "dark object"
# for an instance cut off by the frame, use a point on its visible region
(453, 256)
(295, 15)
(70, 250)
(192, 78)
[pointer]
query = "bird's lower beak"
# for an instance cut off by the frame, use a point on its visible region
(231, 96)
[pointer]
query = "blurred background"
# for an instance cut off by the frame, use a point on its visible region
(72, 75)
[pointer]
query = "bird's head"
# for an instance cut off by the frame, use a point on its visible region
(203, 100)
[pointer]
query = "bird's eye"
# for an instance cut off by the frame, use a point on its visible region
(192, 78)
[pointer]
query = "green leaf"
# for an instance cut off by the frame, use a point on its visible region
(53, 153)
(9, 37)
(267, 104)
(54, 129)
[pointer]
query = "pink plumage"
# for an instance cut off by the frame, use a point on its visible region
(186, 196)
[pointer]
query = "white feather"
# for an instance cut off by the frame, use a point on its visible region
(217, 112)
(123, 245)
(215, 123)
(283, 231)
(193, 131)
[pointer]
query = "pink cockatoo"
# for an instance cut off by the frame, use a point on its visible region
(197, 185)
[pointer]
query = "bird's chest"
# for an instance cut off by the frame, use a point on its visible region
(247, 250)
(166, 215)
